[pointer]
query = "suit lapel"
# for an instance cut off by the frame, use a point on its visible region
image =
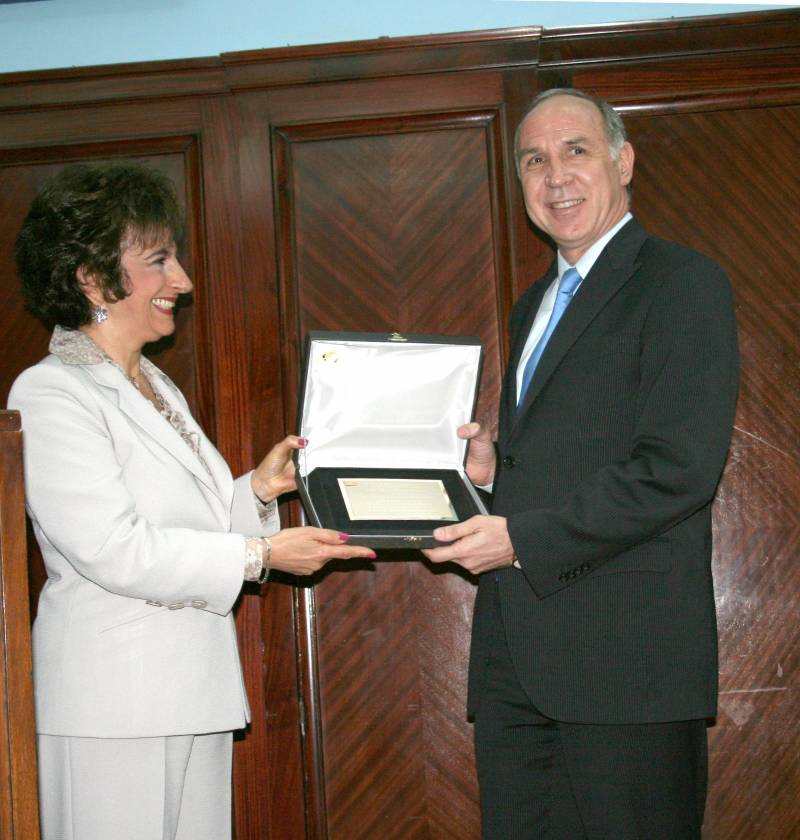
(220, 481)
(139, 410)
(613, 268)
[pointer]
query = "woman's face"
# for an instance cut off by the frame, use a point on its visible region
(153, 278)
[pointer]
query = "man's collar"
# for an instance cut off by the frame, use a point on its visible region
(585, 263)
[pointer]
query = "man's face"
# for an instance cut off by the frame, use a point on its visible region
(574, 190)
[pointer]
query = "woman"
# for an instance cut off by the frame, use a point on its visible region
(145, 535)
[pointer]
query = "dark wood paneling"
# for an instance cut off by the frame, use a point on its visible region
(717, 180)
(682, 38)
(68, 87)
(308, 117)
(393, 224)
(383, 58)
(19, 812)
(274, 805)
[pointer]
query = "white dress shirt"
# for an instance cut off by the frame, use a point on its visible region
(584, 266)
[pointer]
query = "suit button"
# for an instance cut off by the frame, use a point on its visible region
(178, 605)
(199, 604)
(509, 461)
(154, 603)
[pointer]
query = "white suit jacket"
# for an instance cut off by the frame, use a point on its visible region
(144, 552)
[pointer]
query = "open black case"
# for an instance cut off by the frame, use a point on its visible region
(380, 413)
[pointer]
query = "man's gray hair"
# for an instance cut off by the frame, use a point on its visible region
(612, 121)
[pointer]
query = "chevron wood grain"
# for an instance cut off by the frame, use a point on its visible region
(393, 231)
(718, 180)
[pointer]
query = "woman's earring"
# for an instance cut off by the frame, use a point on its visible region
(99, 314)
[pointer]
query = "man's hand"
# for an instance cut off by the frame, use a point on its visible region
(481, 458)
(479, 544)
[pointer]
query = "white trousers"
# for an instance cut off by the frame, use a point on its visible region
(172, 788)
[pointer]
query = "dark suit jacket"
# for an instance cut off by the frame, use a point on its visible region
(606, 476)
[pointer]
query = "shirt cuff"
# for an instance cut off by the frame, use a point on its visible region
(266, 510)
(257, 557)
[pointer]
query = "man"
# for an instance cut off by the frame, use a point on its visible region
(594, 657)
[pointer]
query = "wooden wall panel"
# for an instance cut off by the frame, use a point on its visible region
(716, 180)
(19, 812)
(192, 144)
(269, 786)
(381, 236)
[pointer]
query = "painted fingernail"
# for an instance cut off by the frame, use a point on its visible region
(302, 442)
(344, 537)
(372, 555)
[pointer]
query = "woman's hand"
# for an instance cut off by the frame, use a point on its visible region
(275, 474)
(303, 551)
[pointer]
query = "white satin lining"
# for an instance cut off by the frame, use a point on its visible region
(380, 404)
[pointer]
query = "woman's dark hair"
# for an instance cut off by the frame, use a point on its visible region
(85, 217)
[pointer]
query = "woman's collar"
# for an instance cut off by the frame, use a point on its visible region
(74, 347)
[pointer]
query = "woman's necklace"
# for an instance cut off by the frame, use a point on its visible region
(162, 406)
(173, 417)
(148, 391)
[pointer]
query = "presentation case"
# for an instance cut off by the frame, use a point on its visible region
(380, 411)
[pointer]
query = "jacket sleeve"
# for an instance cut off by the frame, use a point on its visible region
(685, 401)
(245, 515)
(86, 515)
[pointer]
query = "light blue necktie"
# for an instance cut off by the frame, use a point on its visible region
(566, 289)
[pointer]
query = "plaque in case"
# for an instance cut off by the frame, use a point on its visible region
(380, 412)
